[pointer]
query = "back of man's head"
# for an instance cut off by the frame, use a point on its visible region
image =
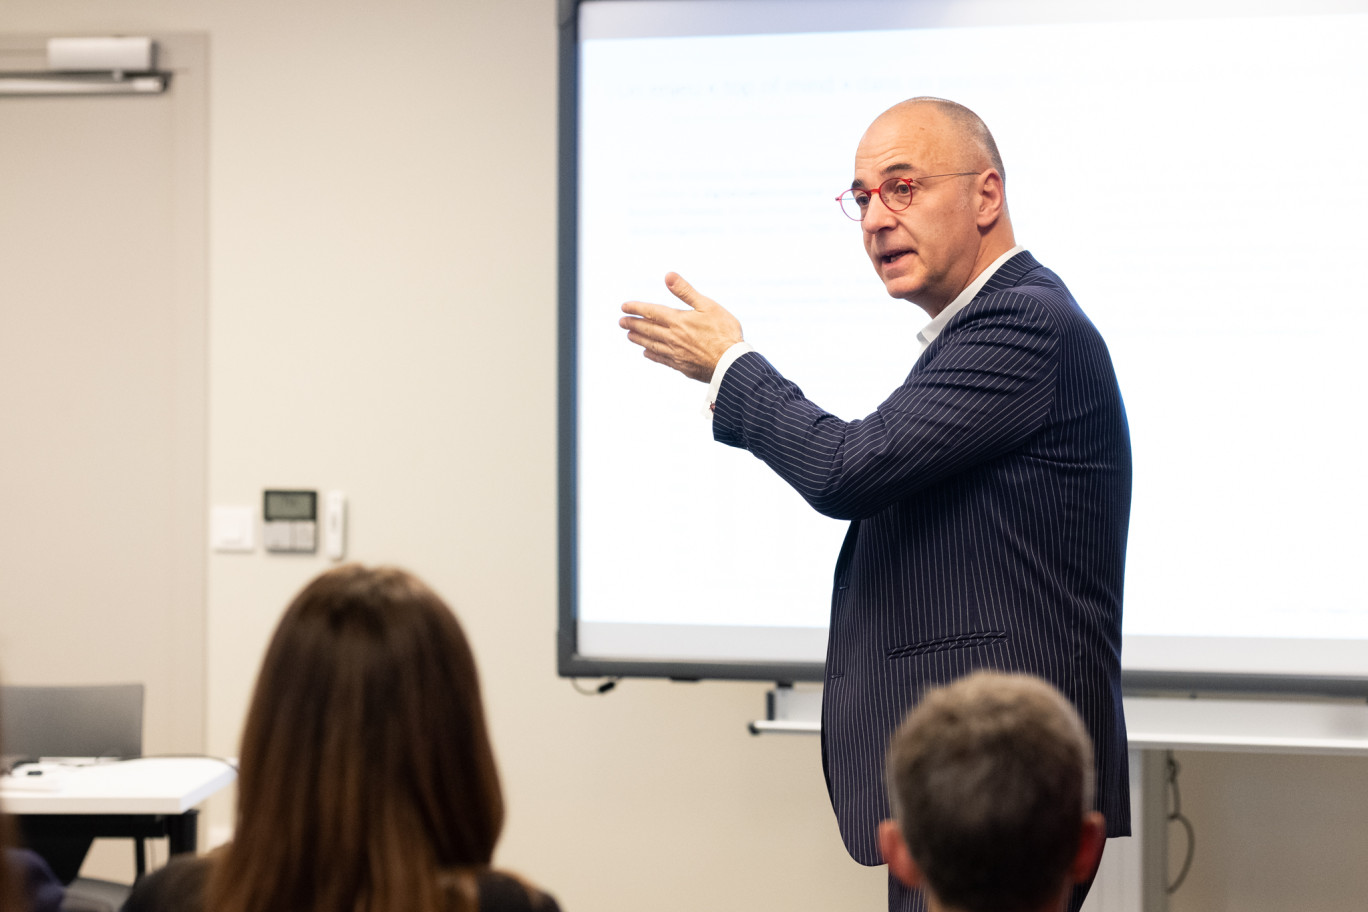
(991, 783)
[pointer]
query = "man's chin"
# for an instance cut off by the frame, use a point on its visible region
(910, 292)
(901, 288)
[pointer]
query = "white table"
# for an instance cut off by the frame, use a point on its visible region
(148, 797)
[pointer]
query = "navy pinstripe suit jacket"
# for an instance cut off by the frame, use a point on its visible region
(989, 499)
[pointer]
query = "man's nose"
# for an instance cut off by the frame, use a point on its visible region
(876, 215)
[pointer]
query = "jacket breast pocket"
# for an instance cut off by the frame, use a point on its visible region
(945, 644)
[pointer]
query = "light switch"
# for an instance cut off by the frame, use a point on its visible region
(231, 529)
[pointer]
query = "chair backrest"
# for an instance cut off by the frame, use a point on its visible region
(102, 720)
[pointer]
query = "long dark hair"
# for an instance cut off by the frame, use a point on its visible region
(367, 779)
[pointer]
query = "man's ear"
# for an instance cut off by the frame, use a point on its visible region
(992, 198)
(1091, 840)
(894, 850)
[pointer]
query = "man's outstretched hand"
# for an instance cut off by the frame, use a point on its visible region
(691, 341)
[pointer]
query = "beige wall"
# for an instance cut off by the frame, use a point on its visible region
(1274, 832)
(103, 372)
(382, 322)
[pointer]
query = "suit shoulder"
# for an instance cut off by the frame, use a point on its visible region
(1040, 294)
(1037, 306)
(1041, 285)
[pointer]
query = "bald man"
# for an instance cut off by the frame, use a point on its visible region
(989, 494)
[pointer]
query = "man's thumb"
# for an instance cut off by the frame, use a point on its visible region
(685, 292)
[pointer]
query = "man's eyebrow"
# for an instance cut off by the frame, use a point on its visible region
(895, 168)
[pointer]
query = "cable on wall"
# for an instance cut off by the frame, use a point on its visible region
(597, 691)
(1176, 814)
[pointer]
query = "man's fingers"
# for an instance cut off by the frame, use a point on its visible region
(652, 350)
(655, 345)
(650, 337)
(641, 331)
(685, 292)
(637, 337)
(641, 309)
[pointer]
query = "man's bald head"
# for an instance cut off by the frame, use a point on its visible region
(950, 221)
(971, 134)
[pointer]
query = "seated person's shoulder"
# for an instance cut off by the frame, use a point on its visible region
(500, 892)
(177, 887)
(42, 891)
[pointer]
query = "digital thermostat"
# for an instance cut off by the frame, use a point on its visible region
(290, 521)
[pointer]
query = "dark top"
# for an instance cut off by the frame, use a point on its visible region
(180, 887)
(42, 891)
(989, 499)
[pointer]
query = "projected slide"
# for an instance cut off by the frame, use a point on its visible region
(1197, 184)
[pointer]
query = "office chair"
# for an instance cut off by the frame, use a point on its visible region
(74, 721)
(101, 720)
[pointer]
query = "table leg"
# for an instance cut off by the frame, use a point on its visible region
(182, 832)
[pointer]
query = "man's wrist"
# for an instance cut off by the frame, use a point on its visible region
(728, 356)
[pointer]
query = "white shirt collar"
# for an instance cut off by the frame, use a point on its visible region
(928, 333)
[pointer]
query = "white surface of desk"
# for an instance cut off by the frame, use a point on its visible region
(149, 785)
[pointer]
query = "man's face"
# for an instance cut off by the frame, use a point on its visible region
(926, 252)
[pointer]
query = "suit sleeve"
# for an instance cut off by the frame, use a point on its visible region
(982, 388)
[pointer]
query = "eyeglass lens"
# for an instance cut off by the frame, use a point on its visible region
(896, 193)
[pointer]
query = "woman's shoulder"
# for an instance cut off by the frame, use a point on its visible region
(177, 887)
(501, 892)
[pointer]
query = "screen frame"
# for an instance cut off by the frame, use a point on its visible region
(571, 663)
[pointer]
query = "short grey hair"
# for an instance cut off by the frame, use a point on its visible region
(990, 779)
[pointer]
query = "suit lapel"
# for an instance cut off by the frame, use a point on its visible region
(1009, 275)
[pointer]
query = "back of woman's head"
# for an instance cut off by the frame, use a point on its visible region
(367, 780)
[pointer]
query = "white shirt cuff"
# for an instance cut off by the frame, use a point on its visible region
(728, 356)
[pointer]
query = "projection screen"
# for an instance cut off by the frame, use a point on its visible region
(1191, 170)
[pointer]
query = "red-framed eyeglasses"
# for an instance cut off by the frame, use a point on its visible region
(896, 193)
